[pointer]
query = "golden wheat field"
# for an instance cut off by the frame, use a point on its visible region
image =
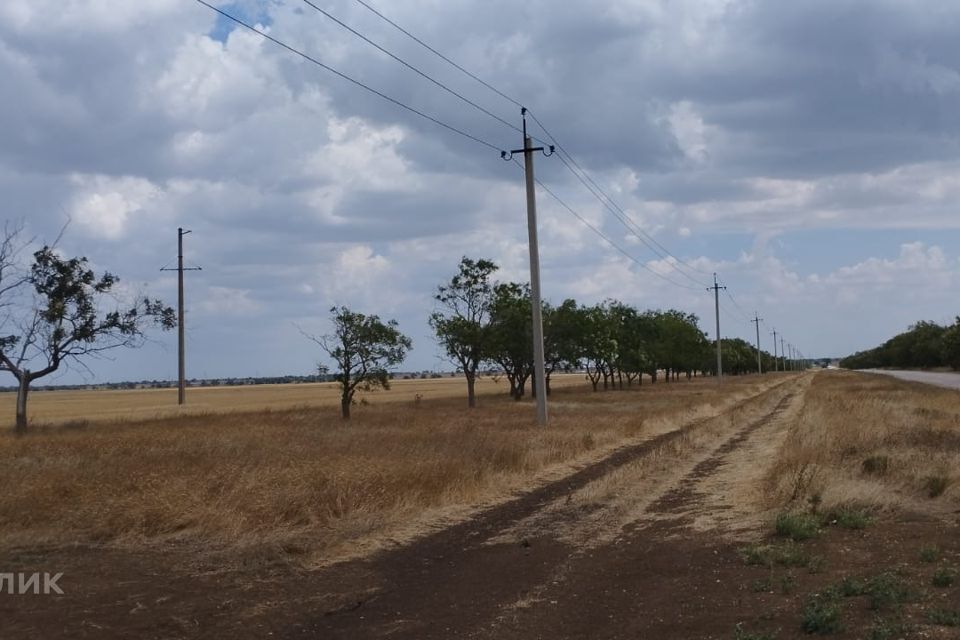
(98, 405)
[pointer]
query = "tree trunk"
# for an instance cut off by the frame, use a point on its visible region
(471, 389)
(546, 382)
(345, 401)
(22, 392)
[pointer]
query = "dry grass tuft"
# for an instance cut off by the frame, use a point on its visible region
(299, 483)
(870, 441)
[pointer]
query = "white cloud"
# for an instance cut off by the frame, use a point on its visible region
(103, 205)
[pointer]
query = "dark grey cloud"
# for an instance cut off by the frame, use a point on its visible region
(718, 124)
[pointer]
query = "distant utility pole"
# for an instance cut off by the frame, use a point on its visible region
(756, 320)
(539, 369)
(783, 353)
(181, 347)
(716, 303)
(776, 365)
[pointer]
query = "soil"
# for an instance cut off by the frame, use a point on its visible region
(674, 569)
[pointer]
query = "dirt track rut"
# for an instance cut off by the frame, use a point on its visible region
(456, 583)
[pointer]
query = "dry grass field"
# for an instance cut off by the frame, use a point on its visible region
(299, 481)
(873, 441)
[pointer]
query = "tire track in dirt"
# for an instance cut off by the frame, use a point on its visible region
(656, 535)
(450, 584)
(678, 501)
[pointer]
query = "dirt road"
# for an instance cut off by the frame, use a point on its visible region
(643, 544)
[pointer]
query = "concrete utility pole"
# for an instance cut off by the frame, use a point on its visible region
(716, 301)
(776, 365)
(539, 369)
(783, 353)
(181, 346)
(756, 320)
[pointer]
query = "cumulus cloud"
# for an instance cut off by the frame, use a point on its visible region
(741, 136)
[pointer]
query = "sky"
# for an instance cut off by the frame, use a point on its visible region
(807, 152)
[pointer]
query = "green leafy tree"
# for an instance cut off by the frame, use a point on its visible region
(462, 327)
(599, 344)
(510, 335)
(363, 349)
(950, 346)
(563, 332)
(62, 320)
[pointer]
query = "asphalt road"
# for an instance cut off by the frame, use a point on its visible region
(948, 380)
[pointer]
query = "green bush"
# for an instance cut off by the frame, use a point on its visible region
(929, 553)
(822, 615)
(887, 629)
(944, 617)
(943, 577)
(768, 555)
(797, 526)
(887, 590)
(850, 518)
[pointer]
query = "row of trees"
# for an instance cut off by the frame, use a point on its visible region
(923, 345)
(483, 321)
(56, 310)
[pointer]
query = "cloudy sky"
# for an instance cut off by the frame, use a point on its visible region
(808, 152)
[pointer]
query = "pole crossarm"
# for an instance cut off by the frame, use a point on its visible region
(539, 366)
(716, 288)
(757, 320)
(181, 335)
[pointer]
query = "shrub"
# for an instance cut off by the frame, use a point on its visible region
(787, 555)
(797, 526)
(822, 615)
(850, 518)
(944, 617)
(943, 577)
(850, 587)
(887, 590)
(887, 629)
(929, 553)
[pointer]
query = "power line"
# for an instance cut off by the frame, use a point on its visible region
(354, 81)
(612, 202)
(412, 67)
(596, 190)
(624, 219)
(604, 237)
(743, 314)
(438, 54)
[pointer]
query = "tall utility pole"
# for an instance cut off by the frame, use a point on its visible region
(756, 320)
(539, 369)
(776, 364)
(783, 353)
(181, 345)
(716, 303)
